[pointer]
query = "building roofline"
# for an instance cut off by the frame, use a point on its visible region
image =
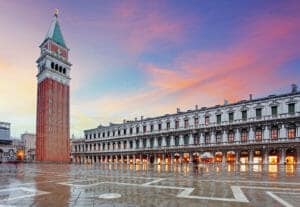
(199, 110)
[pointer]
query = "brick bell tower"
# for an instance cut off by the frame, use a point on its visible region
(53, 105)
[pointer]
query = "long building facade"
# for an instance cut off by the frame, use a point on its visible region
(254, 131)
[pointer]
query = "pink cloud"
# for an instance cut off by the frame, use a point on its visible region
(248, 66)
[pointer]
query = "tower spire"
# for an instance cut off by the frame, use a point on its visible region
(56, 11)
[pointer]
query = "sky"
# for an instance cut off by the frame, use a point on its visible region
(147, 58)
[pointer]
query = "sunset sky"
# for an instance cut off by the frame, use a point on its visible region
(133, 58)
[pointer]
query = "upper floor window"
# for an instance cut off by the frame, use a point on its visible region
(168, 125)
(130, 130)
(119, 132)
(258, 134)
(99, 135)
(244, 135)
(151, 143)
(186, 140)
(86, 136)
(231, 116)
(274, 133)
(159, 140)
(176, 124)
(291, 108)
(159, 126)
(108, 133)
(206, 120)
(130, 144)
(219, 119)
(231, 136)
(137, 130)
(94, 136)
(176, 141)
(144, 128)
(124, 131)
(274, 110)
(196, 139)
(137, 143)
(119, 145)
(196, 121)
(114, 133)
(207, 138)
(168, 141)
(144, 143)
(218, 137)
(244, 115)
(258, 113)
(291, 133)
(186, 123)
(151, 127)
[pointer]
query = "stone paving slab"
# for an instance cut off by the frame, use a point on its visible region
(122, 185)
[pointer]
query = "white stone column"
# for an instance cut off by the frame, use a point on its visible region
(148, 142)
(134, 160)
(181, 142)
(155, 144)
(141, 144)
(282, 156)
(213, 137)
(191, 139)
(237, 157)
(201, 138)
(282, 132)
(251, 156)
(251, 134)
(224, 137)
(237, 135)
(265, 157)
(266, 133)
(163, 142)
(172, 141)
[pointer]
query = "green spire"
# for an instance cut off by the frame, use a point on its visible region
(54, 32)
(57, 35)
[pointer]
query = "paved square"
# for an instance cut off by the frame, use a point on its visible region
(137, 185)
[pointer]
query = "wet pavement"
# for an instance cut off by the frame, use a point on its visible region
(154, 185)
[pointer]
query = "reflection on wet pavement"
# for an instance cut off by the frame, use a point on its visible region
(153, 185)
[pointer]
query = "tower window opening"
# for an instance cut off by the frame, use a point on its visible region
(60, 69)
(52, 65)
(64, 71)
(56, 67)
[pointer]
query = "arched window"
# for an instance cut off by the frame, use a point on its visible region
(52, 65)
(64, 71)
(60, 69)
(56, 67)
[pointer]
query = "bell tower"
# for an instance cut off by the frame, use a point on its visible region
(53, 95)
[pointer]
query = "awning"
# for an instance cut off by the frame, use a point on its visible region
(176, 154)
(206, 155)
(230, 152)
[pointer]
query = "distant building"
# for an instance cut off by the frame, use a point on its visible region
(29, 140)
(4, 131)
(7, 151)
(258, 131)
